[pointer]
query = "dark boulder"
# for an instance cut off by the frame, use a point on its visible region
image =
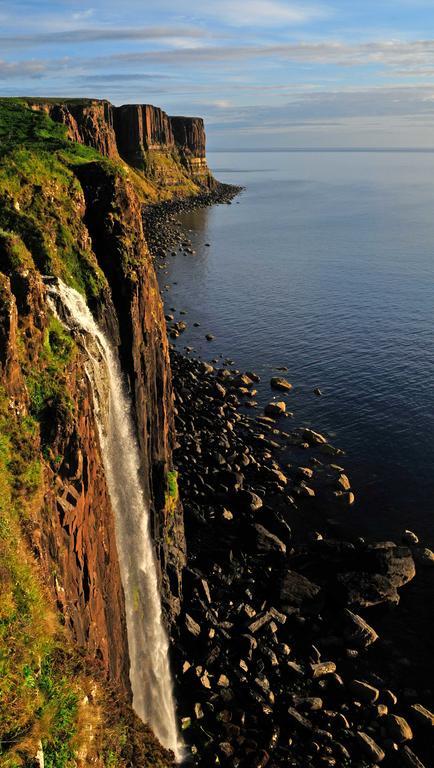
(296, 591)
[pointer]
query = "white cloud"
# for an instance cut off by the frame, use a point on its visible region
(386, 54)
(178, 35)
(80, 15)
(21, 69)
(222, 104)
(270, 13)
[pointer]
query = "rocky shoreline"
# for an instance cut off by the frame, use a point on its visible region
(278, 658)
(161, 224)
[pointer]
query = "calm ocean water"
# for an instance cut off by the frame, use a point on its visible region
(326, 266)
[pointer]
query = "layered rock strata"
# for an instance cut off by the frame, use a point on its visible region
(132, 131)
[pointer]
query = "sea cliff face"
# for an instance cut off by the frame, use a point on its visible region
(113, 213)
(137, 133)
(71, 211)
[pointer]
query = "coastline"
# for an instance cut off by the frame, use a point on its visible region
(251, 518)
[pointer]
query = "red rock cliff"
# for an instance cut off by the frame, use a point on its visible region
(72, 531)
(134, 132)
(140, 128)
(189, 133)
(114, 222)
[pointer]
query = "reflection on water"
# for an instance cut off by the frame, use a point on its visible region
(327, 266)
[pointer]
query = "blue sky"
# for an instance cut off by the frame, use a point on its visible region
(274, 72)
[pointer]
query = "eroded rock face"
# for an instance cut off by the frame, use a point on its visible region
(76, 539)
(88, 122)
(140, 128)
(72, 528)
(190, 139)
(114, 222)
(189, 133)
(9, 367)
(133, 130)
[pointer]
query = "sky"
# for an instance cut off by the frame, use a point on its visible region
(263, 73)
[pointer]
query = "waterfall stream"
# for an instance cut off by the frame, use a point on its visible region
(150, 675)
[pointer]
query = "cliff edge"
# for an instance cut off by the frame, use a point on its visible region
(169, 151)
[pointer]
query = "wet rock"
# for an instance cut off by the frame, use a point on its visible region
(394, 562)
(364, 692)
(267, 542)
(299, 720)
(358, 631)
(209, 336)
(243, 380)
(343, 482)
(330, 450)
(345, 498)
(307, 703)
(226, 749)
(409, 759)
(247, 500)
(205, 681)
(369, 747)
(322, 668)
(306, 490)
(295, 668)
(261, 759)
(367, 589)
(278, 382)
(315, 438)
(408, 537)
(424, 556)
(298, 591)
(263, 618)
(422, 715)
(305, 472)
(253, 376)
(397, 728)
(192, 626)
(275, 409)
(389, 698)
(231, 480)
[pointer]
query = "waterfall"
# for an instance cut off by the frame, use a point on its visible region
(150, 675)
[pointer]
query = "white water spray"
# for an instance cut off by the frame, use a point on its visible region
(150, 675)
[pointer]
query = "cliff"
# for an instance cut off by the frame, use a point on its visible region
(189, 134)
(169, 151)
(67, 211)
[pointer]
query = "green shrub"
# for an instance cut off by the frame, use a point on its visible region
(172, 483)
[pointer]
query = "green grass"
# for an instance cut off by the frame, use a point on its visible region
(172, 483)
(171, 496)
(41, 201)
(25, 623)
(46, 380)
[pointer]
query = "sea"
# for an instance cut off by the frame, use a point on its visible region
(324, 265)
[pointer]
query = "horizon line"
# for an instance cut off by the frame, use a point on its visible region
(420, 150)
